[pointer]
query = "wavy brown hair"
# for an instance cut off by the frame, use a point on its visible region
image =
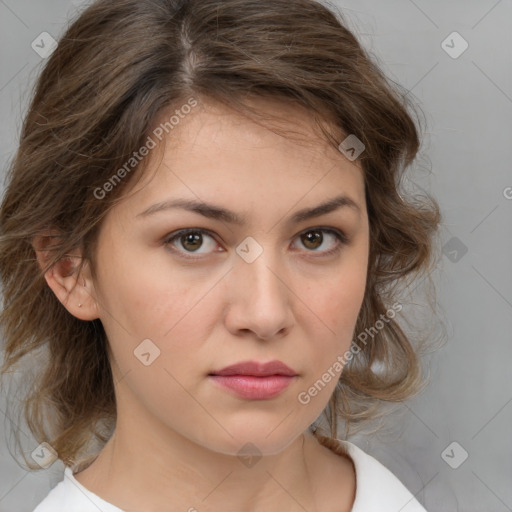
(117, 68)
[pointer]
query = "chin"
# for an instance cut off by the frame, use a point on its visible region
(257, 438)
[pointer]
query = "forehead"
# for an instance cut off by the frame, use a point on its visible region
(280, 123)
(215, 152)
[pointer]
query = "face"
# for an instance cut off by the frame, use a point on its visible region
(180, 306)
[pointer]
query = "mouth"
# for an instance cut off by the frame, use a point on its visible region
(255, 381)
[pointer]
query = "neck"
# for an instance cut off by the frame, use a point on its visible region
(161, 467)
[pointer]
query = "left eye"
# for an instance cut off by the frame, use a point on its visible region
(192, 239)
(315, 237)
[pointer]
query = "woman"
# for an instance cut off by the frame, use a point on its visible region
(261, 134)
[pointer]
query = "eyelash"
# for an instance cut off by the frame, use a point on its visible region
(340, 236)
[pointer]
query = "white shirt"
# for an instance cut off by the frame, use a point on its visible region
(377, 489)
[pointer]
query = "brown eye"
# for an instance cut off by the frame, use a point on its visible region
(191, 241)
(312, 239)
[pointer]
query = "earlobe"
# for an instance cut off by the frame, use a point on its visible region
(75, 292)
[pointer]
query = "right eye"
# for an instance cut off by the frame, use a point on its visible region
(191, 240)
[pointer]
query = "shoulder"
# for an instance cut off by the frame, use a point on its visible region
(377, 488)
(70, 496)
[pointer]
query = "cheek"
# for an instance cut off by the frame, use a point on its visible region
(335, 306)
(337, 300)
(166, 327)
(148, 300)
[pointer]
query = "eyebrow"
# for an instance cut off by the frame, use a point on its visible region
(216, 212)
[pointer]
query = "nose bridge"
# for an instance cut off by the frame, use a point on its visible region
(260, 268)
(262, 298)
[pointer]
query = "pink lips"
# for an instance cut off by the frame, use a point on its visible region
(255, 381)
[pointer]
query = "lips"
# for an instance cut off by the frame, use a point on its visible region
(256, 369)
(255, 381)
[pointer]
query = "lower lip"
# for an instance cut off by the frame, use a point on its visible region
(254, 388)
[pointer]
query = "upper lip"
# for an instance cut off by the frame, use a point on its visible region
(257, 369)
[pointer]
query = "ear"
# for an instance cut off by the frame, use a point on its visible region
(75, 292)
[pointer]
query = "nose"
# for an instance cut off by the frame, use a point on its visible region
(260, 299)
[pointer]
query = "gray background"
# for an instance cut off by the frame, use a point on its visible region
(465, 163)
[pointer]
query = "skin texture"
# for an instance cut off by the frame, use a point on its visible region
(178, 433)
